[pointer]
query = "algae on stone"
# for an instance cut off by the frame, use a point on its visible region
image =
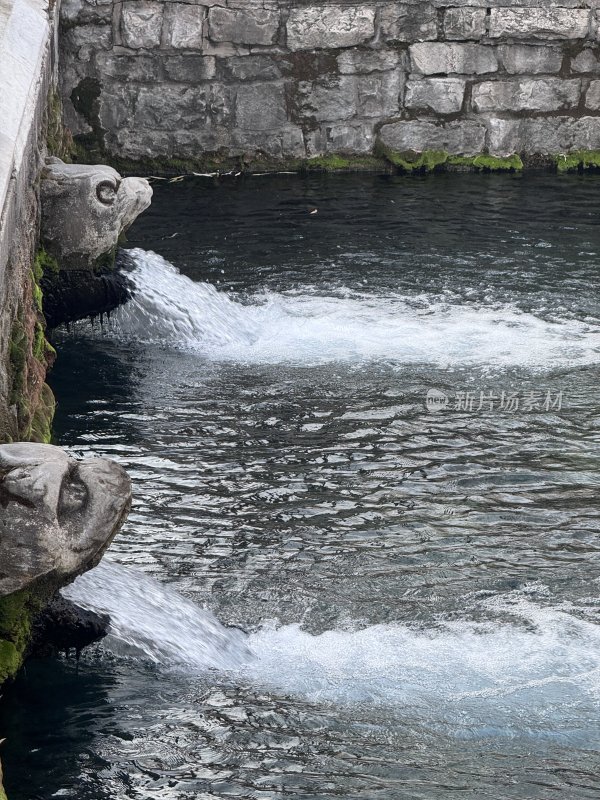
(578, 160)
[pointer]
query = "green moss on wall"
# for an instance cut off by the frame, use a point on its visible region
(30, 355)
(578, 161)
(343, 163)
(487, 163)
(17, 612)
(40, 429)
(436, 160)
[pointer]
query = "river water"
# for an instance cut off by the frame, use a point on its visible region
(330, 586)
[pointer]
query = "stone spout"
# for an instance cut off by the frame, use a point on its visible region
(85, 209)
(57, 517)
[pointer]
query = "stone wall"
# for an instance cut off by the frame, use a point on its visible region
(27, 62)
(295, 79)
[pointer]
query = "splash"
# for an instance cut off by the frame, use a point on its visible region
(171, 310)
(542, 670)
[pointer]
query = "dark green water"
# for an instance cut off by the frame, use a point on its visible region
(420, 590)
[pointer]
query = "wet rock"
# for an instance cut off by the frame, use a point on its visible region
(63, 626)
(85, 209)
(80, 294)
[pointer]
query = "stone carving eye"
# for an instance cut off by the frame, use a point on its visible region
(106, 192)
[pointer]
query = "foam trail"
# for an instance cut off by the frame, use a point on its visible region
(170, 309)
(543, 669)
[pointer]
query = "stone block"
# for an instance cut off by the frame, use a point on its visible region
(466, 137)
(243, 26)
(586, 61)
(189, 68)
(137, 68)
(250, 68)
(172, 106)
(442, 58)
(379, 95)
(465, 23)
(337, 26)
(518, 59)
(541, 94)
(141, 23)
(539, 23)
(592, 97)
(352, 62)
(440, 95)
(330, 100)
(543, 135)
(184, 26)
(356, 138)
(408, 23)
(261, 107)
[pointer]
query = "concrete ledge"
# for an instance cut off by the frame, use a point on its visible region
(24, 39)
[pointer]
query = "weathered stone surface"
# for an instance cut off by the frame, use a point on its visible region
(85, 209)
(440, 58)
(586, 61)
(190, 68)
(170, 71)
(459, 138)
(441, 95)
(250, 68)
(125, 67)
(379, 95)
(244, 26)
(332, 99)
(542, 94)
(141, 23)
(352, 62)
(399, 22)
(592, 97)
(313, 27)
(546, 136)
(184, 25)
(261, 107)
(533, 59)
(539, 23)
(58, 514)
(465, 23)
(352, 138)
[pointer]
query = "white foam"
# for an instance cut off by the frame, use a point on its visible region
(304, 327)
(543, 669)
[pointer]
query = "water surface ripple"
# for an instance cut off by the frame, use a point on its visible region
(415, 594)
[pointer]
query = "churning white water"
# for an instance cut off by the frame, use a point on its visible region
(546, 662)
(169, 308)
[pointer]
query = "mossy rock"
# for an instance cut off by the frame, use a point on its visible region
(578, 161)
(341, 163)
(17, 612)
